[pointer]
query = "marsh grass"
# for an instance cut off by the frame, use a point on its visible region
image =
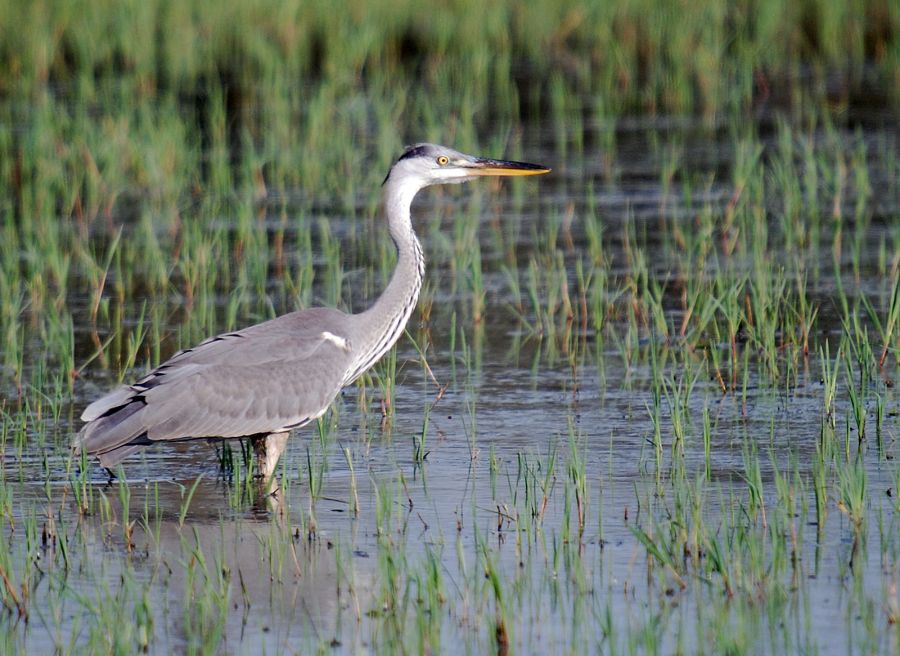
(647, 405)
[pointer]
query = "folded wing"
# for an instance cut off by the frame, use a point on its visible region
(268, 378)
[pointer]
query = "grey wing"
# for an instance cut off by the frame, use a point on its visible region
(268, 378)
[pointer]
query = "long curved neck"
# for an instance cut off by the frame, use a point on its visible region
(385, 320)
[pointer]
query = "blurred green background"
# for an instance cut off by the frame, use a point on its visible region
(124, 96)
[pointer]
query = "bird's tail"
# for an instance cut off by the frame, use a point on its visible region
(114, 435)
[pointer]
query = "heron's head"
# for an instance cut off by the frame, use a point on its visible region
(428, 164)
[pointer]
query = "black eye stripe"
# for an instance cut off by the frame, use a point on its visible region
(416, 151)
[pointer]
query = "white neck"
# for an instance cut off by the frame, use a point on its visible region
(385, 321)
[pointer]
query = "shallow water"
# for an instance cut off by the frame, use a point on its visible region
(494, 493)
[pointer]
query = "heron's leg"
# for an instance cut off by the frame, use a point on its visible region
(267, 450)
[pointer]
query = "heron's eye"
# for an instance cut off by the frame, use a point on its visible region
(443, 160)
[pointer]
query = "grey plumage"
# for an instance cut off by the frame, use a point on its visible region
(281, 374)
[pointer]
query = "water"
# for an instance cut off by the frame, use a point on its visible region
(495, 495)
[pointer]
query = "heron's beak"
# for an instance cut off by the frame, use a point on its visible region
(483, 166)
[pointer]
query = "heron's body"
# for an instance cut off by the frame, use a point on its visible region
(264, 380)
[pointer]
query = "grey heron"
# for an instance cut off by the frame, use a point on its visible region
(267, 379)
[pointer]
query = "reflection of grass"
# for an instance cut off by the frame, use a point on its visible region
(169, 171)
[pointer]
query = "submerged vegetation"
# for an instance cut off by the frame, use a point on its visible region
(648, 405)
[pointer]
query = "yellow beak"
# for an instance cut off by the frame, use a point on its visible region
(504, 167)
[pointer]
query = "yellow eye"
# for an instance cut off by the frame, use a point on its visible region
(442, 160)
